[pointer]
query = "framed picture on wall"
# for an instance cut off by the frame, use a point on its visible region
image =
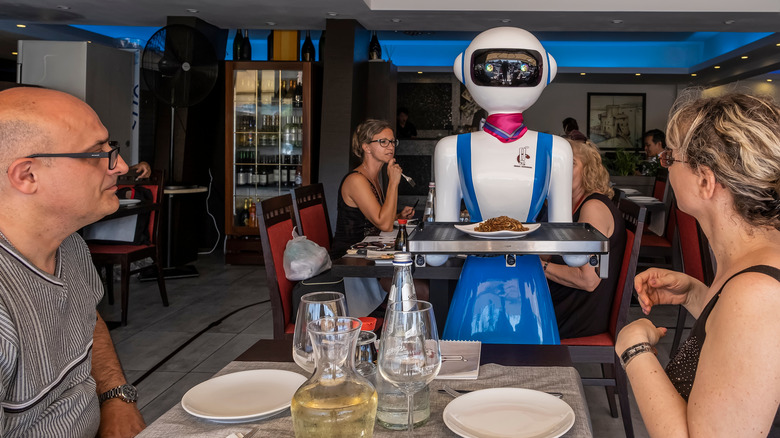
(616, 120)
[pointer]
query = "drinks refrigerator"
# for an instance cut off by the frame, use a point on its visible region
(271, 134)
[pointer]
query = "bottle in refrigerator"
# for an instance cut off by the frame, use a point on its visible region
(298, 177)
(252, 218)
(243, 217)
(392, 406)
(284, 180)
(298, 96)
(277, 175)
(262, 178)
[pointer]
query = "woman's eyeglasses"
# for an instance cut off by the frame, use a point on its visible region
(385, 143)
(666, 159)
(112, 155)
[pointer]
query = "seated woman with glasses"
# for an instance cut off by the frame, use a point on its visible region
(363, 209)
(724, 165)
(582, 300)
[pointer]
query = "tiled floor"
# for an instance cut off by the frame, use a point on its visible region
(154, 332)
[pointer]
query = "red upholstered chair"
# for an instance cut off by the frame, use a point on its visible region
(660, 184)
(696, 262)
(105, 256)
(276, 221)
(311, 214)
(601, 348)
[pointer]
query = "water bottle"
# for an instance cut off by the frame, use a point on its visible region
(430, 202)
(392, 409)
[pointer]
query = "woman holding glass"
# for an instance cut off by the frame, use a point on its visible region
(724, 165)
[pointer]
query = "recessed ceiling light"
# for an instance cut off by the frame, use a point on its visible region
(15, 53)
(419, 72)
(505, 20)
(193, 11)
(21, 25)
(637, 74)
(778, 44)
(744, 57)
(89, 42)
(729, 21)
(694, 74)
(769, 80)
(332, 14)
(582, 74)
(270, 23)
(617, 21)
(716, 67)
(63, 7)
(396, 20)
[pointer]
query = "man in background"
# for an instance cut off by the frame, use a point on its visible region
(59, 372)
(403, 127)
(654, 141)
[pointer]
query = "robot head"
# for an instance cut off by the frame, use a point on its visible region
(505, 69)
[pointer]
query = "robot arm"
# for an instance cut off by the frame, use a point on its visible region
(559, 202)
(448, 193)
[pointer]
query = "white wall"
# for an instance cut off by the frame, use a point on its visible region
(559, 101)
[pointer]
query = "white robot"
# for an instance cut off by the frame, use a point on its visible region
(509, 170)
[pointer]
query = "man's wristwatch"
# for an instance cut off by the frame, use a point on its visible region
(126, 392)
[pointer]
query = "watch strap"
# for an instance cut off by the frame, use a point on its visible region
(634, 351)
(117, 392)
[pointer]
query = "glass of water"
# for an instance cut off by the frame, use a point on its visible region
(314, 306)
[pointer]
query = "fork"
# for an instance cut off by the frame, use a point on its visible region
(252, 432)
(458, 392)
(409, 180)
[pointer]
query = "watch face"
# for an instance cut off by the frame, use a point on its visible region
(129, 393)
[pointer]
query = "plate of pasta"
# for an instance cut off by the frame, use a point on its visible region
(501, 227)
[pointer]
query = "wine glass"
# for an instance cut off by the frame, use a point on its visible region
(409, 354)
(314, 306)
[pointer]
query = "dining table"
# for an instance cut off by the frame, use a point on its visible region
(544, 368)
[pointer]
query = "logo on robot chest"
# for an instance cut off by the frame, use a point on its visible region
(523, 158)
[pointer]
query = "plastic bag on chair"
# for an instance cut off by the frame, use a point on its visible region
(304, 259)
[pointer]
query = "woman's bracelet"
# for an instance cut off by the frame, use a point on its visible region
(544, 268)
(634, 351)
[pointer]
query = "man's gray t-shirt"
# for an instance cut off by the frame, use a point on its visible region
(46, 329)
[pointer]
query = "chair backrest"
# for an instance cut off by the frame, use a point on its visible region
(617, 195)
(634, 215)
(694, 248)
(276, 221)
(155, 183)
(661, 181)
(311, 214)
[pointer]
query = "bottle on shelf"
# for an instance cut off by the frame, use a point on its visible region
(252, 218)
(243, 217)
(374, 49)
(430, 203)
(237, 40)
(255, 176)
(246, 47)
(276, 175)
(283, 90)
(298, 177)
(241, 176)
(262, 178)
(284, 180)
(392, 408)
(307, 50)
(298, 97)
(402, 238)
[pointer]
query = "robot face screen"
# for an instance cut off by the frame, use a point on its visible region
(506, 68)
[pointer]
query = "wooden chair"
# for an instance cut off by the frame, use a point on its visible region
(601, 348)
(661, 183)
(105, 256)
(311, 214)
(696, 262)
(276, 222)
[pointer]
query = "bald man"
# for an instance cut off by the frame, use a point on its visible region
(56, 356)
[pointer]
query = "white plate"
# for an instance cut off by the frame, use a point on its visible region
(129, 201)
(508, 413)
(643, 199)
(243, 396)
(469, 229)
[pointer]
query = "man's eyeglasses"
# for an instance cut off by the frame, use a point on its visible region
(112, 155)
(385, 143)
(666, 159)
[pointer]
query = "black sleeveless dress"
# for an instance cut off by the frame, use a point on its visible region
(682, 369)
(581, 313)
(351, 225)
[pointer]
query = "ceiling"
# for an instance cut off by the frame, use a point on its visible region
(603, 26)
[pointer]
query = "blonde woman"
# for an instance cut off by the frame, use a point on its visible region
(724, 165)
(581, 299)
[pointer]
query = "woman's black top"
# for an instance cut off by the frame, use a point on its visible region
(351, 225)
(583, 313)
(681, 370)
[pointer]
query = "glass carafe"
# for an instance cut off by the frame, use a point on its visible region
(336, 400)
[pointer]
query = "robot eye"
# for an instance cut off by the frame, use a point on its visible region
(489, 68)
(506, 67)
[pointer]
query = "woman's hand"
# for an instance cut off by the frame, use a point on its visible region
(142, 170)
(660, 286)
(641, 330)
(394, 172)
(406, 213)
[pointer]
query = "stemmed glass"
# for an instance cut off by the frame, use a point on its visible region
(409, 354)
(314, 306)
